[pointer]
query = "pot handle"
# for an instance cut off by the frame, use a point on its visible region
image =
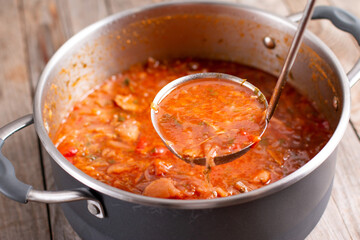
(16, 190)
(344, 21)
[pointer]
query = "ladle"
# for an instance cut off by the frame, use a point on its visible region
(221, 159)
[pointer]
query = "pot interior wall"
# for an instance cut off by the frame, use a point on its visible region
(211, 31)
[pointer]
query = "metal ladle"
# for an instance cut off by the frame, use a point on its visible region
(295, 45)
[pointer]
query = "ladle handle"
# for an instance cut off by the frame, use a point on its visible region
(290, 58)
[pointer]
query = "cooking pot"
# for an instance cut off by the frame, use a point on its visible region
(286, 209)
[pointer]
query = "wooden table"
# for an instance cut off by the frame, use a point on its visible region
(32, 30)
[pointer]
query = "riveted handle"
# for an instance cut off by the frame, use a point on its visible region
(344, 21)
(10, 186)
(340, 18)
(16, 190)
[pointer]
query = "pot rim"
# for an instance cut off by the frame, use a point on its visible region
(281, 184)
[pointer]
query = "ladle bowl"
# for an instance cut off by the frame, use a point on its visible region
(220, 159)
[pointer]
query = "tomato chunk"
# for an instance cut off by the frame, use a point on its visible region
(159, 151)
(141, 145)
(71, 152)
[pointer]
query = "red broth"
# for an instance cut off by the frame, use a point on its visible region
(206, 118)
(109, 136)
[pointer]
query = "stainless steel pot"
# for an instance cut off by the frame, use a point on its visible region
(286, 209)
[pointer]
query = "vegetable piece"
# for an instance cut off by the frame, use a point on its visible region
(128, 102)
(263, 176)
(162, 188)
(221, 192)
(118, 168)
(71, 152)
(127, 82)
(161, 167)
(159, 150)
(239, 185)
(128, 130)
(276, 155)
(141, 145)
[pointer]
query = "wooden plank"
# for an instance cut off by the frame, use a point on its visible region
(48, 25)
(341, 219)
(45, 33)
(82, 13)
(18, 221)
(269, 5)
(329, 226)
(273, 6)
(77, 15)
(346, 193)
(118, 5)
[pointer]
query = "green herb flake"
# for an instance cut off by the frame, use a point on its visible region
(132, 89)
(177, 123)
(127, 82)
(203, 123)
(165, 117)
(111, 161)
(121, 118)
(213, 92)
(91, 157)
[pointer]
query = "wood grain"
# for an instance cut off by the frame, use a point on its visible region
(45, 33)
(346, 192)
(32, 30)
(79, 16)
(18, 221)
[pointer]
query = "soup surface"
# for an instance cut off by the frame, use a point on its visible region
(109, 136)
(206, 118)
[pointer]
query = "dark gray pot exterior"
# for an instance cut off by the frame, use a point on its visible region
(291, 213)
